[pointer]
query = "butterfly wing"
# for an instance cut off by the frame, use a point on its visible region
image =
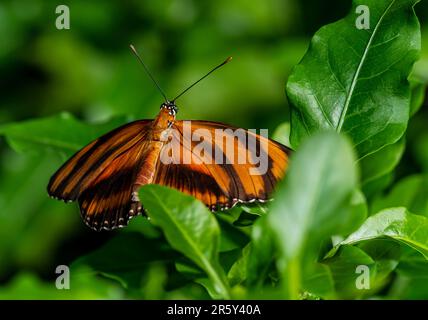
(111, 199)
(80, 170)
(102, 176)
(218, 178)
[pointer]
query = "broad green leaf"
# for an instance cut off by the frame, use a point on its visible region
(407, 287)
(377, 167)
(397, 224)
(62, 133)
(191, 272)
(311, 202)
(418, 95)
(343, 268)
(190, 228)
(262, 254)
(231, 238)
(26, 210)
(353, 214)
(126, 258)
(413, 264)
(246, 219)
(355, 80)
(382, 162)
(319, 283)
(259, 209)
(28, 286)
(373, 187)
(379, 256)
(410, 192)
(238, 272)
(419, 146)
(386, 253)
(383, 249)
(155, 281)
(250, 214)
(282, 134)
(412, 278)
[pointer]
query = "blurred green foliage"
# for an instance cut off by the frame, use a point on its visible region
(89, 72)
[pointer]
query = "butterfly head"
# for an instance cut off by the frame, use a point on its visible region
(166, 116)
(169, 107)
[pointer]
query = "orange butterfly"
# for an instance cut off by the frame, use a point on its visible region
(105, 176)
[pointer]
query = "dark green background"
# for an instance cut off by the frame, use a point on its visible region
(90, 72)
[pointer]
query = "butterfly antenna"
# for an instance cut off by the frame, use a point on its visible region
(214, 69)
(148, 72)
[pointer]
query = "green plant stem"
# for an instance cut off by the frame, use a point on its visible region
(293, 279)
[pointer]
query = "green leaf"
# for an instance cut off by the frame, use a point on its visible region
(28, 286)
(282, 134)
(238, 272)
(250, 214)
(382, 162)
(311, 202)
(126, 258)
(343, 268)
(319, 282)
(246, 219)
(394, 223)
(259, 209)
(373, 187)
(410, 192)
(413, 264)
(418, 95)
(380, 256)
(190, 228)
(409, 288)
(62, 133)
(419, 146)
(412, 277)
(26, 210)
(261, 255)
(353, 214)
(194, 273)
(377, 167)
(383, 249)
(386, 253)
(231, 238)
(355, 81)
